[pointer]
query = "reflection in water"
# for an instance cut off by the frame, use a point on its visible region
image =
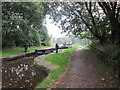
(21, 73)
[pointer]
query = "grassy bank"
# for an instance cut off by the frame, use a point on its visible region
(74, 47)
(60, 59)
(86, 48)
(19, 50)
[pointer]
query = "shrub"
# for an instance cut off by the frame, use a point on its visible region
(110, 55)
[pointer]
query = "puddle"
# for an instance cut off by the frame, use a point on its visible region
(21, 73)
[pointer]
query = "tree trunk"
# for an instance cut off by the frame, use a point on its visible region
(115, 25)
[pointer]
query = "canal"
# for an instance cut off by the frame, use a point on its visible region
(21, 73)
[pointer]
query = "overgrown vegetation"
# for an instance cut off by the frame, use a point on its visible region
(109, 75)
(62, 62)
(109, 55)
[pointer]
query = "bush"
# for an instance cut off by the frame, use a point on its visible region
(110, 55)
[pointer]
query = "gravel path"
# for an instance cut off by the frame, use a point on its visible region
(82, 72)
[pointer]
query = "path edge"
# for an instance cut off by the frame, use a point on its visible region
(42, 65)
(63, 74)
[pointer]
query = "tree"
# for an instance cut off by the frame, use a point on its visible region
(45, 38)
(111, 10)
(21, 23)
(78, 17)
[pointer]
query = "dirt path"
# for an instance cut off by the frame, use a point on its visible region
(82, 72)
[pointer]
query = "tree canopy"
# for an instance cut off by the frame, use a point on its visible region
(23, 24)
(94, 20)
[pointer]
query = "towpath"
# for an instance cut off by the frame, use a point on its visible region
(83, 72)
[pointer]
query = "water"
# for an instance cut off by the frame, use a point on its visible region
(21, 73)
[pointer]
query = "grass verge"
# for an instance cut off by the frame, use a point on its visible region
(86, 48)
(60, 59)
(74, 47)
(19, 50)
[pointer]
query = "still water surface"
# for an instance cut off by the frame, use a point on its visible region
(21, 73)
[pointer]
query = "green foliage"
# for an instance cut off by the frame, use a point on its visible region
(74, 47)
(56, 59)
(78, 18)
(86, 48)
(45, 38)
(62, 62)
(93, 20)
(75, 40)
(94, 43)
(62, 40)
(113, 53)
(109, 75)
(22, 24)
(18, 50)
(110, 55)
(71, 39)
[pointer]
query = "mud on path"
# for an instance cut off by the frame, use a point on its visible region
(83, 73)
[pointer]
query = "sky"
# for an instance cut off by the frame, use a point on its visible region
(53, 29)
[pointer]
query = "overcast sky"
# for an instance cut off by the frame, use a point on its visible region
(53, 29)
